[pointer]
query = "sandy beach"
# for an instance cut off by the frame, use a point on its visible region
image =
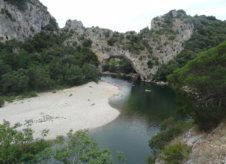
(77, 108)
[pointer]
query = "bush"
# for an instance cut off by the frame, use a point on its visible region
(43, 62)
(90, 73)
(1, 102)
(209, 32)
(20, 147)
(118, 65)
(150, 64)
(15, 82)
(176, 153)
(205, 81)
(87, 43)
(168, 133)
(52, 25)
(73, 75)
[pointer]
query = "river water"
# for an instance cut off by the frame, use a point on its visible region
(142, 107)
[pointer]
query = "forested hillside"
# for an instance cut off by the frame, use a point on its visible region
(208, 32)
(200, 86)
(204, 81)
(44, 62)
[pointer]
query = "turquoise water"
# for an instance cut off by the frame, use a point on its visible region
(142, 107)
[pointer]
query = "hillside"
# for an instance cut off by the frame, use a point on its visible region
(173, 39)
(204, 81)
(208, 33)
(146, 51)
(201, 88)
(23, 19)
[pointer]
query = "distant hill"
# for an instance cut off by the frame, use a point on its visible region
(173, 39)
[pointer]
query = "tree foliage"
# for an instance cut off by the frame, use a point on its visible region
(205, 81)
(175, 153)
(208, 32)
(118, 65)
(77, 147)
(43, 63)
(170, 129)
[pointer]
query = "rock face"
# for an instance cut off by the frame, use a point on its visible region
(152, 48)
(22, 19)
(206, 147)
(146, 51)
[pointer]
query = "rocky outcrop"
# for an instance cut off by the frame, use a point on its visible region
(146, 51)
(22, 19)
(207, 147)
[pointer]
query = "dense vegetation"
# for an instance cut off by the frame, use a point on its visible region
(208, 32)
(169, 129)
(20, 147)
(175, 153)
(198, 76)
(118, 65)
(205, 81)
(43, 63)
(160, 143)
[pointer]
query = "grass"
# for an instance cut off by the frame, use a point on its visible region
(175, 154)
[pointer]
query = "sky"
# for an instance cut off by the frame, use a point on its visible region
(128, 15)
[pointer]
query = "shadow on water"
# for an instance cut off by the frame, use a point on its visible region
(143, 107)
(153, 103)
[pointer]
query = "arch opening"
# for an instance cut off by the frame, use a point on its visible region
(119, 67)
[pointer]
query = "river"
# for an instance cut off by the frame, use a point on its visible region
(142, 107)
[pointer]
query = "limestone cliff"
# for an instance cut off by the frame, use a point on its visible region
(22, 19)
(146, 51)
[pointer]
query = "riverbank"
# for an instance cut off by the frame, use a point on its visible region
(77, 108)
(206, 147)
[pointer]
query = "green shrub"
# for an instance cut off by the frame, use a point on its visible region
(87, 43)
(205, 77)
(20, 147)
(52, 25)
(1, 102)
(150, 160)
(43, 62)
(208, 33)
(118, 65)
(168, 132)
(175, 154)
(150, 64)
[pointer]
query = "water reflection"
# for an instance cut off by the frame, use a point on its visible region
(142, 108)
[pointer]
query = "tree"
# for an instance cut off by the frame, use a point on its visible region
(90, 72)
(77, 147)
(52, 26)
(1, 102)
(18, 146)
(73, 75)
(39, 78)
(15, 81)
(202, 83)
